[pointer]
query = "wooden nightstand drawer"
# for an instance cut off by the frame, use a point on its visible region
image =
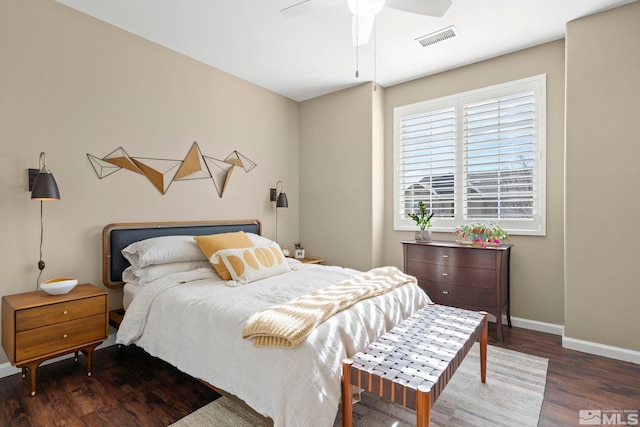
(61, 312)
(461, 296)
(472, 277)
(460, 256)
(39, 342)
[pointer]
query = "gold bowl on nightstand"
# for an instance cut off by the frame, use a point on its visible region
(59, 285)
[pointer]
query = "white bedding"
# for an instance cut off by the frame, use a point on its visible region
(194, 321)
(129, 291)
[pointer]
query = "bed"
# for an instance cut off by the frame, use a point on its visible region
(194, 320)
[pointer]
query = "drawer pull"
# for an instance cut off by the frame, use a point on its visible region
(445, 292)
(445, 274)
(65, 336)
(65, 312)
(445, 256)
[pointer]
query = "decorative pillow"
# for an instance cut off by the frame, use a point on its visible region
(209, 245)
(144, 275)
(162, 250)
(255, 263)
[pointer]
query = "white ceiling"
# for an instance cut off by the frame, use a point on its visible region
(310, 55)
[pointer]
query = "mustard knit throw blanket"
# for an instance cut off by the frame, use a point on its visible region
(287, 325)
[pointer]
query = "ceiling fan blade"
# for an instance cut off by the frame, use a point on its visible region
(421, 7)
(298, 7)
(361, 27)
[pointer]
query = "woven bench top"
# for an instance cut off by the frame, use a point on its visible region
(422, 351)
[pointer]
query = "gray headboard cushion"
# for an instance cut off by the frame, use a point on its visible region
(116, 237)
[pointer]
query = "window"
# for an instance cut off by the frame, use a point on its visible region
(475, 156)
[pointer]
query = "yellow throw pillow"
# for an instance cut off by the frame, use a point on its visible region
(210, 245)
(255, 263)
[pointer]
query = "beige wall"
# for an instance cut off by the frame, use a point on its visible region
(72, 85)
(340, 144)
(536, 262)
(602, 178)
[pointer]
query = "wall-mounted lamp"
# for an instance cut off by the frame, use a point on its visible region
(280, 197)
(43, 187)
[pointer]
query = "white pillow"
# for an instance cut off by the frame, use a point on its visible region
(258, 240)
(144, 275)
(162, 250)
(253, 263)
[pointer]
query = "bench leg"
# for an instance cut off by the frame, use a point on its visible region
(483, 347)
(423, 406)
(347, 399)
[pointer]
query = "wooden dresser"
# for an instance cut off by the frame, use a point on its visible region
(37, 326)
(462, 276)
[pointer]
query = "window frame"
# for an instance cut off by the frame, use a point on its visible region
(535, 226)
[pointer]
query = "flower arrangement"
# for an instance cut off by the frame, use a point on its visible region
(485, 234)
(422, 218)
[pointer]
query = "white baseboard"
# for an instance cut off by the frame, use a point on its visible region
(604, 350)
(6, 369)
(590, 347)
(534, 325)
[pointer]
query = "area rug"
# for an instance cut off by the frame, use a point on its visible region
(512, 396)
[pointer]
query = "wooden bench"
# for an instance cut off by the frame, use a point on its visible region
(413, 362)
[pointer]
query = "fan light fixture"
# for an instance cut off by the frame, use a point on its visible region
(364, 12)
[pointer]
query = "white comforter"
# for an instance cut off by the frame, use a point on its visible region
(194, 321)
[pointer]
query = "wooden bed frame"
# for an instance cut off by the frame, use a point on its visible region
(117, 236)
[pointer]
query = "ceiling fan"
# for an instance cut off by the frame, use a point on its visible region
(364, 12)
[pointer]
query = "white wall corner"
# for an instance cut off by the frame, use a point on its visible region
(604, 350)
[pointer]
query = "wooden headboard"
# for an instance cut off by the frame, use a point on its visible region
(116, 237)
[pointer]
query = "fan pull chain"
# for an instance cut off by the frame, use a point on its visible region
(375, 53)
(357, 40)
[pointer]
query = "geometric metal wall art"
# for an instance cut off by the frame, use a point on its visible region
(162, 172)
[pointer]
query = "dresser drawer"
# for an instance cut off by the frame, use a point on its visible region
(473, 277)
(60, 312)
(461, 296)
(452, 256)
(35, 343)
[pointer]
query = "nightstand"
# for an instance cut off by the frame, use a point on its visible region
(311, 260)
(37, 326)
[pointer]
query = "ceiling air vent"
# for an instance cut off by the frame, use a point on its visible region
(438, 36)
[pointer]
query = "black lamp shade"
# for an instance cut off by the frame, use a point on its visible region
(282, 201)
(45, 187)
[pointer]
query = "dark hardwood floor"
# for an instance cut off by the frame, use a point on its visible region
(127, 388)
(131, 388)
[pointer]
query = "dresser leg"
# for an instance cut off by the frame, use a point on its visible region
(33, 371)
(88, 351)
